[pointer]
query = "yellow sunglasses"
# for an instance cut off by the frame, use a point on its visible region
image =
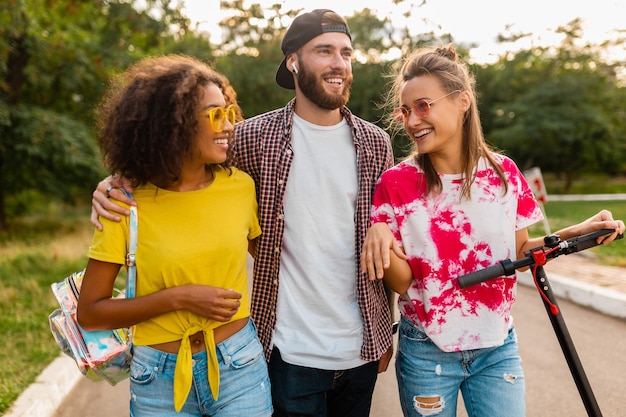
(217, 117)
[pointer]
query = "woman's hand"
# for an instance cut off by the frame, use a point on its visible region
(214, 303)
(375, 256)
(601, 220)
(97, 310)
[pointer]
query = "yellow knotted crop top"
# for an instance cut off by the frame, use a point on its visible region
(198, 237)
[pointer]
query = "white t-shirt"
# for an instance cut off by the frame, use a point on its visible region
(318, 320)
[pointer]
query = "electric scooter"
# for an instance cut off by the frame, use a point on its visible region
(536, 259)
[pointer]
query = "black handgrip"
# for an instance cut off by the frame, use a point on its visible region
(505, 267)
(508, 267)
(580, 243)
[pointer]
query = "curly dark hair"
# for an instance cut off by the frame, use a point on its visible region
(147, 119)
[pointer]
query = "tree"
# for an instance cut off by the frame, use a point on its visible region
(555, 107)
(560, 108)
(40, 70)
(55, 60)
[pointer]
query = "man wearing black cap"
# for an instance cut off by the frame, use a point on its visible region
(326, 328)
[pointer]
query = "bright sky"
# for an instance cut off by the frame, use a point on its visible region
(477, 21)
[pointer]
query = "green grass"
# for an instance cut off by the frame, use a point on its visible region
(564, 213)
(44, 249)
(36, 253)
(586, 184)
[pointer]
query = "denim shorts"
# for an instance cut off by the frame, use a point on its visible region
(244, 382)
(429, 379)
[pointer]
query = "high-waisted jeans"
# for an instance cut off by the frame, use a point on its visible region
(244, 382)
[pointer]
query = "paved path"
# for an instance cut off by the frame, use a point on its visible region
(582, 268)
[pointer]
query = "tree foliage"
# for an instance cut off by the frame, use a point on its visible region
(560, 108)
(55, 60)
(556, 108)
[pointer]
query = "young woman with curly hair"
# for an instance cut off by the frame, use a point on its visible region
(166, 125)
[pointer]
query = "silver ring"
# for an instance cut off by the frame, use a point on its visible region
(108, 191)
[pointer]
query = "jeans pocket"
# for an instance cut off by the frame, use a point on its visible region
(247, 355)
(140, 373)
(411, 333)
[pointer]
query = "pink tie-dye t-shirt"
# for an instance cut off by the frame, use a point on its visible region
(445, 237)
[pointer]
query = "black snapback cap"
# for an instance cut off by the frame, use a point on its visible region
(303, 28)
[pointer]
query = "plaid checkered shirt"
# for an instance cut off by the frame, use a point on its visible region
(264, 150)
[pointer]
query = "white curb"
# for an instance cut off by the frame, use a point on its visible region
(603, 300)
(43, 397)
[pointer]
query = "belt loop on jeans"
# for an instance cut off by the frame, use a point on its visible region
(162, 361)
(222, 353)
(242, 337)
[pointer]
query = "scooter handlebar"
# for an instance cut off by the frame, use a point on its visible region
(508, 267)
(504, 267)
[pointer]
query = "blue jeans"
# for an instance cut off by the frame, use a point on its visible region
(301, 391)
(491, 379)
(244, 386)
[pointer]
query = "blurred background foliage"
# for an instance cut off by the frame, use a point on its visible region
(560, 108)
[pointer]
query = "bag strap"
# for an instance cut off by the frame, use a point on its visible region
(131, 260)
(131, 257)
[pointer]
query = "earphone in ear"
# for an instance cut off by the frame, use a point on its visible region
(295, 69)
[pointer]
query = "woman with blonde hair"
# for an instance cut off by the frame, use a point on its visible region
(453, 207)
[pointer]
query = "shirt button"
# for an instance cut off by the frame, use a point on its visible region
(288, 151)
(281, 182)
(276, 250)
(281, 217)
(275, 282)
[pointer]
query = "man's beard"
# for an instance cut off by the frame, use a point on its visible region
(313, 89)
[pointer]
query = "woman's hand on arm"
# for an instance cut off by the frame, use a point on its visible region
(382, 257)
(102, 203)
(375, 255)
